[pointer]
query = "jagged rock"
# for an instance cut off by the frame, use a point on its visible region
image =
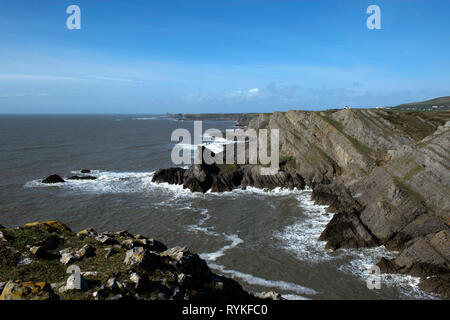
(30, 290)
(345, 230)
(106, 239)
(202, 178)
(124, 234)
(114, 285)
(188, 262)
(37, 250)
(86, 251)
(439, 284)
(387, 266)
(147, 243)
(89, 232)
(336, 196)
(53, 179)
(170, 175)
(135, 278)
(426, 255)
(82, 178)
(109, 252)
(68, 256)
(102, 293)
(419, 227)
(141, 257)
(390, 206)
(270, 295)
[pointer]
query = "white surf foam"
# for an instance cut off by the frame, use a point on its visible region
(143, 119)
(253, 280)
(212, 256)
(301, 239)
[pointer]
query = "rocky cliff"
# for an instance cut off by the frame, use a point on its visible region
(384, 173)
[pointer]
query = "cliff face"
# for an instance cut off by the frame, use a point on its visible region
(386, 175)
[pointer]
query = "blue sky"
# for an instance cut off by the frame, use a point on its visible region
(220, 55)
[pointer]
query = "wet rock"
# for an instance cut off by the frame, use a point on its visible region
(170, 175)
(53, 179)
(345, 230)
(82, 178)
(439, 284)
(30, 290)
(85, 171)
(387, 266)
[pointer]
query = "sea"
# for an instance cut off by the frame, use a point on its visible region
(266, 240)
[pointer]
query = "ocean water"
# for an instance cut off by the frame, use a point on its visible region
(266, 240)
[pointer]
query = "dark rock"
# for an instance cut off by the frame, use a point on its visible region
(204, 177)
(188, 262)
(82, 178)
(170, 175)
(439, 284)
(54, 178)
(387, 266)
(426, 255)
(142, 258)
(336, 196)
(345, 230)
(419, 227)
(85, 171)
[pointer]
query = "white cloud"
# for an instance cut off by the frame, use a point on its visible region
(253, 91)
